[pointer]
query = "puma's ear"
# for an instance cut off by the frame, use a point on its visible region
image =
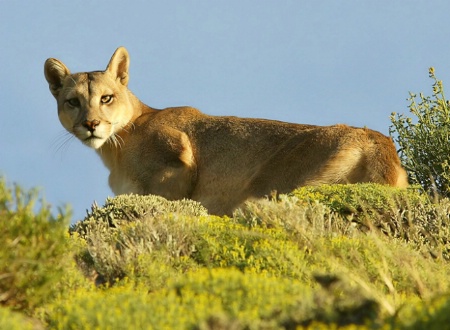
(55, 71)
(118, 65)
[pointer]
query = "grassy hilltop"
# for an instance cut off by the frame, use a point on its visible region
(362, 256)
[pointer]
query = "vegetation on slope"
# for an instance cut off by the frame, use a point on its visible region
(306, 260)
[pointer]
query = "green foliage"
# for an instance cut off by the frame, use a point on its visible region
(131, 207)
(424, 139)
(183, 304)
(14, 321)
(33, 249)
(407, 215)
(421, 228)
(433, 314)
(368, 197)
(329, 257)
(179, 242)
(216, 299)
(131, 232)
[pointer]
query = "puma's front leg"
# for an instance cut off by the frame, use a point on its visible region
(170, 169)
(121, 184)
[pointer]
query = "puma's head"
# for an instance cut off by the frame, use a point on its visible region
(93, 106)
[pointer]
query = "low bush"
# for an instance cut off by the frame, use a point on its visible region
(33, 253)
(12, 320)
(217, 299)
(130, 233)
(130, 207)
(408, 215)
(361, 198)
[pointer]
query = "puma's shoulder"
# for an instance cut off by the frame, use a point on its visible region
(180, 114)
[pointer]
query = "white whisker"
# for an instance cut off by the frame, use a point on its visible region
(128, 127)
(61, 143)
(121, 139)
(114, 139)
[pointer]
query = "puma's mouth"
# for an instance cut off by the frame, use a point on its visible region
(88, 136)
(94, 141)
(92, 137)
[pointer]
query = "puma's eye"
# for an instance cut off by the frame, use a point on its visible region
(106, 99)
(74, 102)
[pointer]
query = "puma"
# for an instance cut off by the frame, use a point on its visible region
(218, 161)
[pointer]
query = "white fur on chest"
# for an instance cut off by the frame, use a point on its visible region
(121, 184)
(119, 181)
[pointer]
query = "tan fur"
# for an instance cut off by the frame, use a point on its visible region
(219, 161)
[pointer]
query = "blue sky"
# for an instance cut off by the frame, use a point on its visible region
(316, 62)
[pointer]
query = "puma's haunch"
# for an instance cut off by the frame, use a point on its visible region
(219, 161)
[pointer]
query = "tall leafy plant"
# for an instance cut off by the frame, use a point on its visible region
(424, 139)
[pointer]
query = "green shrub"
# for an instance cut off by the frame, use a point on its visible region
(360, 198)
(132, 249)
(332, 244)
(177, 242)
(226, 243)
(131, 233)
(404, 214)
(10, 320)
(216, 299)
(130, 207)
(154, 249)
(33, 252)
(430, 314)
(424, 139)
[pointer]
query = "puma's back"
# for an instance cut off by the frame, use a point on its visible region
(219, 161)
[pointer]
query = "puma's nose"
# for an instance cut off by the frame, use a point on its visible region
(91, 124)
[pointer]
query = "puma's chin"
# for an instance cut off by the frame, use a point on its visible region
(94, 142)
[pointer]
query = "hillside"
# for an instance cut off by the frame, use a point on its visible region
(363, 256)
